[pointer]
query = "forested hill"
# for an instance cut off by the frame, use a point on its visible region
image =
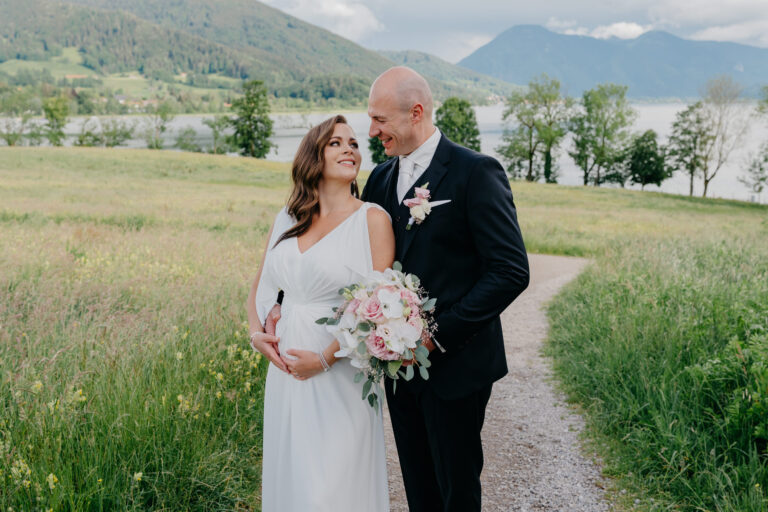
(236, 38)
(277, 40)
(112, 41)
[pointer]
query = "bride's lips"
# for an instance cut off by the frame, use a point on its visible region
(347, 162)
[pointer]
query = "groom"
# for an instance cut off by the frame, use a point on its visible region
(469, 254)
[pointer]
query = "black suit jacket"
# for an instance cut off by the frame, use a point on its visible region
(469, 255)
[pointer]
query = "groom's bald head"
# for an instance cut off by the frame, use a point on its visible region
(400, 108)
(406, 86)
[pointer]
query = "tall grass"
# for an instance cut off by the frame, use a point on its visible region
(126, 381)
(665, 344)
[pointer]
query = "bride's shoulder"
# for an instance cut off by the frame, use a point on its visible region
(379, 221)
(375, 211)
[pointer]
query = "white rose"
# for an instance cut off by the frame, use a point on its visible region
(418, 213)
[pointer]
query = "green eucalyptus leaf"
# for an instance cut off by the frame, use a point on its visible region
(393, 366)
(367, 388)
(409, 372)
(429, 305)
(424, 373)
(397, 266)
(322, 321)
(364, 327)
(359, 376)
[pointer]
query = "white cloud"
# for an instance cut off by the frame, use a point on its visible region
(347, 18)
(622, 30)
(753, 32)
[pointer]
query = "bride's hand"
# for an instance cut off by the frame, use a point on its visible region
(307, 364)
(267, 345)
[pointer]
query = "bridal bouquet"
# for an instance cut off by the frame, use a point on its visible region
(381, 324)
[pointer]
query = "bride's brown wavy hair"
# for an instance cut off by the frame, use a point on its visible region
(307, 169)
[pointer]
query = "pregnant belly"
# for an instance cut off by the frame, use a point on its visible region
(297, 328)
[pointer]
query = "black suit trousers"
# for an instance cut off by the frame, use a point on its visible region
(439, 445)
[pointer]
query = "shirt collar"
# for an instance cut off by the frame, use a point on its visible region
(422, 156)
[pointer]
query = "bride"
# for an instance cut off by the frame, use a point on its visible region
(323, 445)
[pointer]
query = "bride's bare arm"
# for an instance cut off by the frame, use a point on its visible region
(382, 240)
(261, 341)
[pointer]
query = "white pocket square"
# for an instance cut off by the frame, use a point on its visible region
(438, 203)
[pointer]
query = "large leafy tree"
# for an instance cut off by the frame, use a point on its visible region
(56, 111)
(646, 161)
(689, 141)
(252, 125)
(457, 121)
(601, 131)
(540, 117)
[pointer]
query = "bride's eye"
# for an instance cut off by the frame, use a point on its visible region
(354, 145)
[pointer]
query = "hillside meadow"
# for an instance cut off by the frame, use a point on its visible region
(126, 380)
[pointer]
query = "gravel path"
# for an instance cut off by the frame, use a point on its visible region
(530, 438)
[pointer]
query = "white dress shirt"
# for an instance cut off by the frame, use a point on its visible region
(413, 165)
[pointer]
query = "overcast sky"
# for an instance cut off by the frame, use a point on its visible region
(452, 30)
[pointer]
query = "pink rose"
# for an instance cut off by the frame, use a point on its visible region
(378, 348)
(371, 309)
(422, 193)
(352, 306)
(410, 203)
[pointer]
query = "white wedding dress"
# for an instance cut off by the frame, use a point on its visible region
(323, 445)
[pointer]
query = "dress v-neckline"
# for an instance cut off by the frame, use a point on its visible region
(337, 226)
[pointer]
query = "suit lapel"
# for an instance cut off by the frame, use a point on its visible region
(434, 176)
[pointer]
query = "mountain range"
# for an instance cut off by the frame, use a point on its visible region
(248, 39)
(656, 64)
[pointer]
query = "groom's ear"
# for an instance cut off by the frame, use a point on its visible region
(417, 112)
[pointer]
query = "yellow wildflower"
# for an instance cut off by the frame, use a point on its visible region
(137, 476)
(218, 394)
(37, 386)
(52, 481)
(219, 377)
(179, 356)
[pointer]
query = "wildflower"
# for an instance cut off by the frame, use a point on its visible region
(52, 481)
(37, 386)
(26, 484)
(99, 480)
(218, 394)
(137, 476)
(179, 356)
(219, 377)
(184, 336)
(247, 386)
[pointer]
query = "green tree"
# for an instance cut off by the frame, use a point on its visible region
(156, 124)
(457, 121)
(15, 110)
(601, 130)
(56, 111)
(377, 150)
(646, 161)
(252, 125)
(541, 116)
(115, 132)
(185, 140)
(218, 125)
(756, 175)
(689, 141)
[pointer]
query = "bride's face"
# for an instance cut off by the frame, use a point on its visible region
(342, 155)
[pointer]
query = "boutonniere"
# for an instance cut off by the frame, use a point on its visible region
(420, 206)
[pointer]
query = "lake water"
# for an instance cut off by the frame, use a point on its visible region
(290, 128)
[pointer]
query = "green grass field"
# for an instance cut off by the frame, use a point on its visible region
(126, 379)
